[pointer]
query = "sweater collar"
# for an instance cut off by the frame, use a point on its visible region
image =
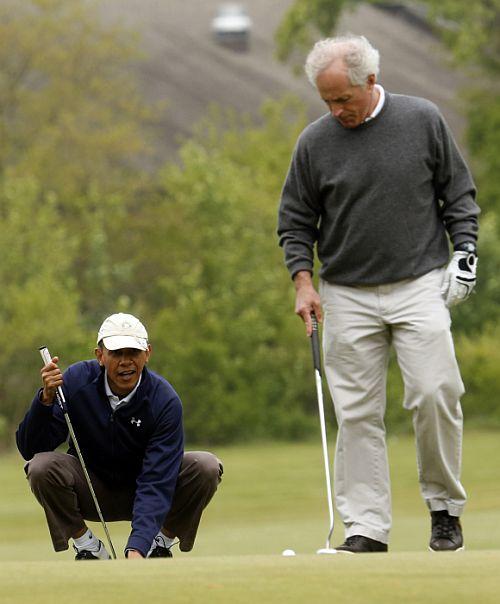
(379, 105)
(375, 116)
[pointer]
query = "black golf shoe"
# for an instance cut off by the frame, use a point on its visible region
(160, 552)
(446, 535)
(86, 554)
(358, 544)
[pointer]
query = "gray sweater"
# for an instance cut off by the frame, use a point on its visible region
(378, 199)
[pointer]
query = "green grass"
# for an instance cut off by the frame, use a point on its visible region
(396, 578)
(272, 497)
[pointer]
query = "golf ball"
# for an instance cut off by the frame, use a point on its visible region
(288, 552)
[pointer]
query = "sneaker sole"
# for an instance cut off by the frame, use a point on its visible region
(453, 551)
(343, 551)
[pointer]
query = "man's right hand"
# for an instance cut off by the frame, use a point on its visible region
(134, 554)
(52, 378)
(307, 299)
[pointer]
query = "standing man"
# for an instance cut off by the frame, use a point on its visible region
(128, 423)
(379, 185)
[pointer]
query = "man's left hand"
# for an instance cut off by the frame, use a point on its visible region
(460, 278)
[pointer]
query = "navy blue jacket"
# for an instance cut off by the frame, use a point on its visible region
(139, 445)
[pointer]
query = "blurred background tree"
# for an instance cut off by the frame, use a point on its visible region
(70, 113)
(221, 297)
(40, 298)
(72, 127)
(72, 118)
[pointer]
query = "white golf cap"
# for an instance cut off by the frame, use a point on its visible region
(123, 331)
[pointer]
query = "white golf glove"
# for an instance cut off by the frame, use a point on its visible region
(459, 278)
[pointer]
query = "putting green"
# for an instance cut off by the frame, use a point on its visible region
(389, 578)
(272, 498)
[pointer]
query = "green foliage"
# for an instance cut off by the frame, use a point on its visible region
(306, 21)
(483, 308)
(303, 21)
(69, 113)
(471, 30)
(39, 297)
(71, 118)
(483, 140)
(215, 284)
(72, 128)
(479, 358)
(4, 436)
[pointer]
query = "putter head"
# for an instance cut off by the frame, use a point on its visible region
(327, 550)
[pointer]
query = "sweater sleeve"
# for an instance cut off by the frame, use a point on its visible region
(299, 214)
(42, 429)
(157, 480)
(455, 188)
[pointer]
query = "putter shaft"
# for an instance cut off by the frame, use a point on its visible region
(319, 394)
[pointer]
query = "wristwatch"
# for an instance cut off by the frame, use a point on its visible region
(467, 246)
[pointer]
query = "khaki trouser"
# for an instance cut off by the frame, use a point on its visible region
(360, 323)
(58, 482)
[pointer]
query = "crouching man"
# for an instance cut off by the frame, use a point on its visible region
(128, 423)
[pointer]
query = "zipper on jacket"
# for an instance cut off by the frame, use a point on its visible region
(112, 427)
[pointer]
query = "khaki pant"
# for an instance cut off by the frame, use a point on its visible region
(58, 482)
(360, 324)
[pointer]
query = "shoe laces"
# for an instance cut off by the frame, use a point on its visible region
(159, 549)
(444, 527)
(85, 554)
(160, 552)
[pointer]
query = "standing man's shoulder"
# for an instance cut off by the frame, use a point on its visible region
(414, 106)
(316, 131)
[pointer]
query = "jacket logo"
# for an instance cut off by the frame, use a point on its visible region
(137, 422)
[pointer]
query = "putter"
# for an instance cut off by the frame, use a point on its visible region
(61, 401)
(319, 391)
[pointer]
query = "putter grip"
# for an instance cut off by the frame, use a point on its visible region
(47, 358)
(315, 344)
(45, 354)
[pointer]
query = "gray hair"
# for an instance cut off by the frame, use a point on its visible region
(358, 55)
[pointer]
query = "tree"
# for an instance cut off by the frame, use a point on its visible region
(39, 293)
(470, 29)
(212, 279)
(69, 113)
(72, 126)
(72, 118)
(306, 21)
(302, 22)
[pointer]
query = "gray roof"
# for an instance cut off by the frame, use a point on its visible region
(188, 70)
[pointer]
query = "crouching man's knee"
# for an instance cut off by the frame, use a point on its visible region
(207, 467)
(48, 468)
